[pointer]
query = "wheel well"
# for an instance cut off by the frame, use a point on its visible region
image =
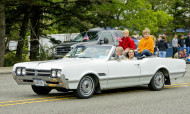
(166, 74)
(94, 77)
(97, 84)
(164, 71)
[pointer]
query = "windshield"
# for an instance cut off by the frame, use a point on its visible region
(98, 52)
(87, 36)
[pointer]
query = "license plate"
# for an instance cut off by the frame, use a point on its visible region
(39, 82)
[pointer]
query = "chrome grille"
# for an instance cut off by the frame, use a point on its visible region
(61, 50)
(30, 72)
(33, 72)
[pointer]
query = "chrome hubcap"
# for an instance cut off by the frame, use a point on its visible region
(87, 86)
(159, 80)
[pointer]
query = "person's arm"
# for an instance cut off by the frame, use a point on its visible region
(121, 43)
(179, 43)
(132, 44)
(140, 46)
(173, 43)
(166, 44)
(186, 40)
(158, 45)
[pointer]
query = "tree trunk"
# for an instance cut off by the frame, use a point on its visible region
(2, 31)
(34, 33)
(23, 32)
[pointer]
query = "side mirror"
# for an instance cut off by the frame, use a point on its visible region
(106, 41)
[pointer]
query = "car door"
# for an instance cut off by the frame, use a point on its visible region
(123, 73)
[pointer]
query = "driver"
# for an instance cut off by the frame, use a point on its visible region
(119, 53)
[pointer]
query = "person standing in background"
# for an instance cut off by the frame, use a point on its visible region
(159, 38)
(155, 46)
(181, 42)
(174, 44)
(119, 53)
(140, 37)
(162, 46)
(187, 42)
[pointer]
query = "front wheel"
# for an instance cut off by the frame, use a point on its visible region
(85, 88)
(157, 81)
(41, 90)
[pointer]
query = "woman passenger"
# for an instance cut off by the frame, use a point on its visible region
(131, 55)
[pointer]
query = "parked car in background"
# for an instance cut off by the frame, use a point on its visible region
(95, 37)
(93, 68)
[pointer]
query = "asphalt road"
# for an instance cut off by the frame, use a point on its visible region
(19, 99)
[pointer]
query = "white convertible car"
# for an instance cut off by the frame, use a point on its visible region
(91, 69)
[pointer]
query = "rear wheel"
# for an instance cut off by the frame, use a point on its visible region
(157, 81)
(41, 90)
(85, 88)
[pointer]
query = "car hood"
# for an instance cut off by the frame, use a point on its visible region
(84, 43)
(68, 44)
(57, 64)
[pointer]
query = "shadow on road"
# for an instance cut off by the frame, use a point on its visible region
(104, 92)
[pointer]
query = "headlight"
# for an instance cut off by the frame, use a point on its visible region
(20, 71)
(55, 73)
(59, 73)
(23, 71)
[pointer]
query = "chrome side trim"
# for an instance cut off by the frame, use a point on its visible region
(117, 78)
(114, 78)
(74, 81)
(179, 73)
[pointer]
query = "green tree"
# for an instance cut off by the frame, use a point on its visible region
(178, 11)
(2, 31)
(139, 14)
(41, 17)
(23, 30)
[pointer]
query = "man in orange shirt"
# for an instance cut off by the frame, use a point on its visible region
(146, 44)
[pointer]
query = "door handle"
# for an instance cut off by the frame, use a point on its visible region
(137, 65)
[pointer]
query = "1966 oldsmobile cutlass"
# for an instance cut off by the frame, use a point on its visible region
(90, 69)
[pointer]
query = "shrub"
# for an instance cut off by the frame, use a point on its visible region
(10, 59)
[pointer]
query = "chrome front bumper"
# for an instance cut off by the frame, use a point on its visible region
(48, 81)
